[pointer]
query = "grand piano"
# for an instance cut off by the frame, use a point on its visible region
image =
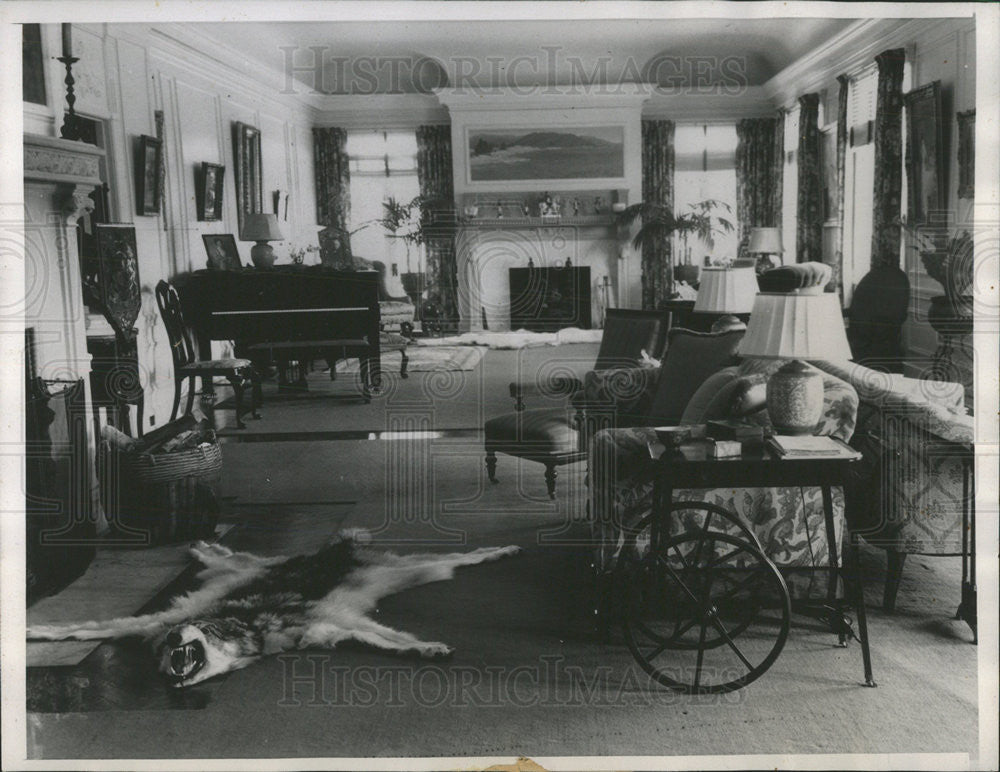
(287, 313)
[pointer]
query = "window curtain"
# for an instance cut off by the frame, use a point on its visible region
(333, 178)
(779, 168)
(809, 209)
(758, 177)
(842, 102)
(658, 187)
(888, 139)
(434, 172)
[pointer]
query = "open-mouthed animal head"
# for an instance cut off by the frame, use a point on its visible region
(198, 650)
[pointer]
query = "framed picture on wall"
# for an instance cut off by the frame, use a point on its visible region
(209, 192)
(966, 154)
(248, 176)
(149, 162)
(924, 152)
(118, 276)
(222, 252)
(544, 154)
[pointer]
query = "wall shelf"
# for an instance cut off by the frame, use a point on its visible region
(504, 223)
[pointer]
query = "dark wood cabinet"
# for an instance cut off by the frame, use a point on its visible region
(549, 299)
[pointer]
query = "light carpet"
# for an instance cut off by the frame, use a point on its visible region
(426, 360)
(515, 339)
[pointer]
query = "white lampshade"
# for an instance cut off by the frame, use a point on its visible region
(765, 240)
(261, 227)
(726, 290)
(796, 326)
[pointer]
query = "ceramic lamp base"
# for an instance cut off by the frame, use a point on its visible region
(795, 398)
(262, 254)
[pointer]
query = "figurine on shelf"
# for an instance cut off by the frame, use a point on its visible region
(569, 263)
(598, 204)
(499, 210)
(526, 209)
(576, 207)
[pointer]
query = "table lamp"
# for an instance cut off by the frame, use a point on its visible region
(765, 242)
(261, 228)
(728, 291)
(794, 319)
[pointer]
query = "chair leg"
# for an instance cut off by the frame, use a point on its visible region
(893, 576)
(177, 398)
(237, 383)
(404, 364)
(190, 399)
(491, 466)
(550, 479)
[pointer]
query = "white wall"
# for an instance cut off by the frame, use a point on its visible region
(125, 73)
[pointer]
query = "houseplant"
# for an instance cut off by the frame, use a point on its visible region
(415, 223)
(660, 223)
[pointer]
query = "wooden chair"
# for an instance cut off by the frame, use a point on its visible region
(237, 371)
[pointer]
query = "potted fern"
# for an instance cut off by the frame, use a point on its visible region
(659, 223)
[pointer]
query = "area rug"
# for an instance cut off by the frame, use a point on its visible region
(425, 360)
(515, 339)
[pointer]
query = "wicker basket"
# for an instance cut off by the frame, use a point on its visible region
(163, 497)
(203, 463)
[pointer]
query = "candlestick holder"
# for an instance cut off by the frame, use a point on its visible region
(70, 128)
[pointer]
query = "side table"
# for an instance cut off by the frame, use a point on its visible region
(687, 583)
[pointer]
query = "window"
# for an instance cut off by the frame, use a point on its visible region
(790, 186)
(859, 182)
(705, 167)
(383, 165)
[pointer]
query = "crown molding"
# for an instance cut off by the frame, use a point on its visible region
(751, 102)
(188, 50)
(851, 50)
(628, 95)
(379, 111)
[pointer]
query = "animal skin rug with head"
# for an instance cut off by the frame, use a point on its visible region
(250, 606)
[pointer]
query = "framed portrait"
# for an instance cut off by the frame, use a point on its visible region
(545, 154)
(209, 192)
(222, 252)
(118, 276)
(149, 162)
(248, 178)
(966, 154)
(924, 152)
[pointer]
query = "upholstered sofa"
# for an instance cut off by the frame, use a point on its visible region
(917, 442)
(700, 380)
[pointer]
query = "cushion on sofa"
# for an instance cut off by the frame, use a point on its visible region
(691, 358)
(708, 393)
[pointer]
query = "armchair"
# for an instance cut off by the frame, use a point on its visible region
(627, 333)
(394, 311)
(549, 435)
(622, 409)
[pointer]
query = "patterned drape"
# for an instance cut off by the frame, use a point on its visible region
(758, 187)
(888, 159)
(434, 171)
(779, 167)
(842, 97)
(333, 178)
(809, 211)
(658, 187)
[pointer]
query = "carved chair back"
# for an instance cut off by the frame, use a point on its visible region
(181, 343)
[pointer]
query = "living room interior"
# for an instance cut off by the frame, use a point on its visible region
(440, 281)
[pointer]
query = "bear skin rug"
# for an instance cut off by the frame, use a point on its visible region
(249, 606)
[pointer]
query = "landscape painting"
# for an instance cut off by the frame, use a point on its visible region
(546, 154)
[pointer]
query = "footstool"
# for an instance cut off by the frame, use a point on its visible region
(545, 435)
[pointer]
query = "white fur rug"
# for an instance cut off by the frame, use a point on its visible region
(515, 339)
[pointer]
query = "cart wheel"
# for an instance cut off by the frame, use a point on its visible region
(686, 604)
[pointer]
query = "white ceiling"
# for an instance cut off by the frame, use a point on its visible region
(410, 57)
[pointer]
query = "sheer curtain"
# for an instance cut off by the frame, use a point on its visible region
(383, 165)
(706, 169)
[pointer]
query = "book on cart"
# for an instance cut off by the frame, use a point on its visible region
(786, 446)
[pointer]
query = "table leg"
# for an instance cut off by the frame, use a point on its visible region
(859, 601)
(831, 538)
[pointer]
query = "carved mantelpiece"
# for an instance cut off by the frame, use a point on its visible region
(59, 160)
